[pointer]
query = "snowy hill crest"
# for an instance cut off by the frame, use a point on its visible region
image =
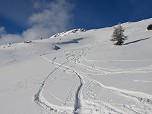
(68, 32)
(79, 73)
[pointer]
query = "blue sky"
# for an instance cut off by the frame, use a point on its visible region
(32, 19)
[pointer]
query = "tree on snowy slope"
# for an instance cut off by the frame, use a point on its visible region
(118, 35)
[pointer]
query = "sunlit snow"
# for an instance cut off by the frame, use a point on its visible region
(79, 72)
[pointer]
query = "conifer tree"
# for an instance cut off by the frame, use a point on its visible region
(118, 35)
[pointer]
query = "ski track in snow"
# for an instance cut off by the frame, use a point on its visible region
(83, 106)
(100, 71)
(78, 99)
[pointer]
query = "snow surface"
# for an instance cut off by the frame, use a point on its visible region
(79, 73)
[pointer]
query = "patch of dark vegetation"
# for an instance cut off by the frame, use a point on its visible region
(149, 27)
(27, 41)
(56, 47)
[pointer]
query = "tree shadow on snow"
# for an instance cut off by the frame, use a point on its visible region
(70, 42)
(136, 41)
(55, 47)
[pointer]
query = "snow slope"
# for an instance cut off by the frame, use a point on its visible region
(79, 72)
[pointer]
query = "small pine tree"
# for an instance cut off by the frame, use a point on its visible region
(118, 35)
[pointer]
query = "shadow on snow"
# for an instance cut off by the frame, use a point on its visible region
(136, 41)
(66, 42)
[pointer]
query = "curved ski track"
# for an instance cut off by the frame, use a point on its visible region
(141, 103)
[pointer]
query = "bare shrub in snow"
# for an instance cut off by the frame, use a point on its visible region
(118, 35)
